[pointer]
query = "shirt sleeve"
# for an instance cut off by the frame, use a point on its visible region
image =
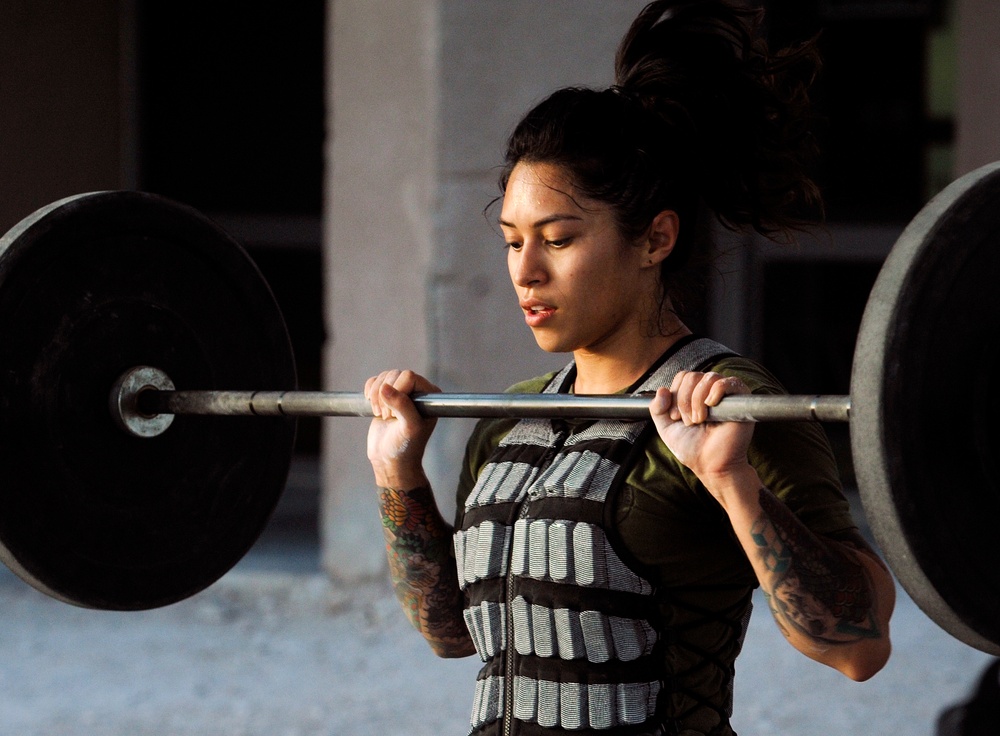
(794, 459)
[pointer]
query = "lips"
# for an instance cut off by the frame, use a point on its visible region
(536, 312)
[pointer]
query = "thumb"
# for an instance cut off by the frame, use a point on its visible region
(659, 407)
(400, 403)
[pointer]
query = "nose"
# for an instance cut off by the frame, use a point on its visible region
(527, 265)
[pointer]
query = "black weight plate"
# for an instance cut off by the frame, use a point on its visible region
(923, 426)
(90, 287)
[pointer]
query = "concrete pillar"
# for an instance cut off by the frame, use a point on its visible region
(977, 140)
(422, 95)
(382, 134)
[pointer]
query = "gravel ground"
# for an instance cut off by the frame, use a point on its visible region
(259, 653)
(271, 653)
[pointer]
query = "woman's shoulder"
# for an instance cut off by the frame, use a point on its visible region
(757, 378)
(487, 434)
(793, 459)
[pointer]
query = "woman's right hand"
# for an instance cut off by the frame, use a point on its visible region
(398, 433)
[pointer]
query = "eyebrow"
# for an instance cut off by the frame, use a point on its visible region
(544, 221)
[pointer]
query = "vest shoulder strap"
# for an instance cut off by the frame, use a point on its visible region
(695, 355)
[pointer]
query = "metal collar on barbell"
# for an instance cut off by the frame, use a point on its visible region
(123, 403)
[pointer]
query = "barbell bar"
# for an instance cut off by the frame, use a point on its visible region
(119, 298)
(144, 397)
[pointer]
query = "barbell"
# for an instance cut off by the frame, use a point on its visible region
(148, 402)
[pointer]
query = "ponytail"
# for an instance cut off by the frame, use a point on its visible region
(702, 119)
(705, 69)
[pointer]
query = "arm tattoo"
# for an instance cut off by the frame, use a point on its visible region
(813, 587)
(424, 575)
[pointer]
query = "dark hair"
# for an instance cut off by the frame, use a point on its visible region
(701, 115)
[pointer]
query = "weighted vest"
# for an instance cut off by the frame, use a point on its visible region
(564, 622)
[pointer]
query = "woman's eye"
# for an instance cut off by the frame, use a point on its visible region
(559, 243)
(513, 245)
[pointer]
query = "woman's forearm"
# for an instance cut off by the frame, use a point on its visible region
(422, 569)
(831, 597)
(813, 586)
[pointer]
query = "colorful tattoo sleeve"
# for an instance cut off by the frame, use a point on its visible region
(814, 588)
(423, 572)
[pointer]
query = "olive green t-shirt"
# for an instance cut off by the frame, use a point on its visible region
(670, 524)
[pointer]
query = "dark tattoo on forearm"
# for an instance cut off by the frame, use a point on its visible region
(423, 573)
(814, 588)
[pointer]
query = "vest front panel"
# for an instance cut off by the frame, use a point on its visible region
(563, 624)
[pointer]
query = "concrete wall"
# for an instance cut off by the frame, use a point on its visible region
(62, 113)
(422, 96)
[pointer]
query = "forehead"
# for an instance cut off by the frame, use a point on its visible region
(540, 189)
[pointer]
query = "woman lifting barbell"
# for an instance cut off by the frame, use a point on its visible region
(603, 570)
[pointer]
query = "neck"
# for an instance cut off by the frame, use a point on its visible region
(610, 372)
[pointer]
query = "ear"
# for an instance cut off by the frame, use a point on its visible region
(661, 237)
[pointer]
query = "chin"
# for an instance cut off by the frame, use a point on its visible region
(551, 343)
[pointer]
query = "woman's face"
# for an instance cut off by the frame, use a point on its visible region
(581, 286)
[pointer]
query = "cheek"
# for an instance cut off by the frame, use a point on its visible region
(613, 276)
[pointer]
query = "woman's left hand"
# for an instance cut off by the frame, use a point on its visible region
(712, 450)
